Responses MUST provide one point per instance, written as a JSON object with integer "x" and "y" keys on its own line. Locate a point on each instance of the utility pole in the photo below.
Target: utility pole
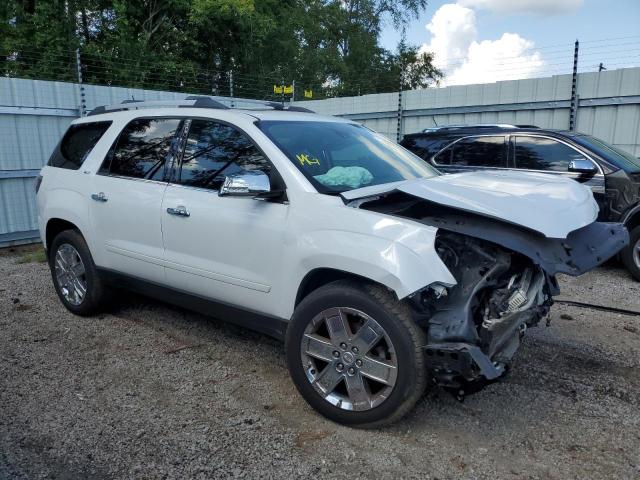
{"x": 601, "y": 67}
{"x": 293, "y": 92}
{"x": 574, "y": 90}
{"x": 83, "y": 101}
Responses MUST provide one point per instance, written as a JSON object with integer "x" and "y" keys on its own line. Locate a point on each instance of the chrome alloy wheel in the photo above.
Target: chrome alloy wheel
{"x": 636, "y": 253}
{"x": 349, "y": 359}
{"x": 70, "y": 274}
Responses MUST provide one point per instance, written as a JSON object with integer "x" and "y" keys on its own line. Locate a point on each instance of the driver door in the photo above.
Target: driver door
{"x": 222, "y": 248}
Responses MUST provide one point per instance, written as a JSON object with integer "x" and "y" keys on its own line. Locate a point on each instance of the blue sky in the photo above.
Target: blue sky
{"x": 468, "y": 36}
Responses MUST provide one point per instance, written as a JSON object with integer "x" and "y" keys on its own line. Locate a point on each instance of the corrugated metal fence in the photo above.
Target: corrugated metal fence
{"x": 34, "y": 115}
{"x": 608, "y": 106}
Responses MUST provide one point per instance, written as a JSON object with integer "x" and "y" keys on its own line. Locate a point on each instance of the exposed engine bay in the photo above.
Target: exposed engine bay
{"x": 505, "y": 277}
{"x": 474, "y": 329}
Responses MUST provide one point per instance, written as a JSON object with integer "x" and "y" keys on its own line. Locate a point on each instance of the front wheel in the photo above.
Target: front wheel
{"x": 631, "y": 253}
{"x": 356, "y": 355}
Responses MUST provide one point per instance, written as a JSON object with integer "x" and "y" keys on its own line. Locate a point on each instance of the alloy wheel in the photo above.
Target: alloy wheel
{"x": 70, "y": 274}
{"x": 349, "y": 359}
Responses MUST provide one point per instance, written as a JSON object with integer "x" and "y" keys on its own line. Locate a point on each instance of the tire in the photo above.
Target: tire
{"x": 96, "y": 293}
{"x": 631, "y": 254}
{"x": 401, "y": 343}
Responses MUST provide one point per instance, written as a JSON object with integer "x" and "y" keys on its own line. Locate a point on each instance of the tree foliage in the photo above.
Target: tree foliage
{"x": 328, "y": 46}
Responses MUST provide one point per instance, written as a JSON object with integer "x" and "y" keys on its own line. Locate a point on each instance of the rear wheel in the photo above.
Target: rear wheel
{"x": 356, "y": 355}
{"x": 74, "y": 274}
{"x": 631, "y": 254}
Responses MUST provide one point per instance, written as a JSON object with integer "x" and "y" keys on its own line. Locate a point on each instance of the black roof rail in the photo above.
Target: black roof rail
{"x": 440, "y": 128}
{"x": 193, "y": 101}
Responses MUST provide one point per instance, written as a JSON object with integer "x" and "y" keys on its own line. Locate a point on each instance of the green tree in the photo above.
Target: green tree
{"x": 330, "y": 46}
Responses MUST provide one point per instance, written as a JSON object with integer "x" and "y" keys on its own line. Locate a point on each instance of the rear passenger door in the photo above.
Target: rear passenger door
{"x": 127, "y": 198}
{"x": 549, "y": 155}
{"x": 486, "y": 152}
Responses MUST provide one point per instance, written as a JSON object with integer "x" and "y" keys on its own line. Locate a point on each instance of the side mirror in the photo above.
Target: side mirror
{"x": 248, "y": 183}
{"x": 582, "y": 166}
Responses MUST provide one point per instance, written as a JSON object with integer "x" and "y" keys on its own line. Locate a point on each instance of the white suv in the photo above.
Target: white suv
{"x": 381, "y": 275}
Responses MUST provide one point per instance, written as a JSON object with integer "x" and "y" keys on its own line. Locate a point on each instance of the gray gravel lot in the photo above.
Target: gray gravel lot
{"x": 153, "y": 391}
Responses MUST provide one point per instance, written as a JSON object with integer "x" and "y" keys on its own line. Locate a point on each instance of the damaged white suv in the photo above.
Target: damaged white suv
{"x": 381, "y": 275}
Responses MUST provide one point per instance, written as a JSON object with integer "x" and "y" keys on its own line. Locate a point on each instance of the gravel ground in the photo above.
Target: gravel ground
{"x": 152, "y": 391}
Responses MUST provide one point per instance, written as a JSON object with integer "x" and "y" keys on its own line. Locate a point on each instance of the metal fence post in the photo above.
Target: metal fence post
{"x": 231, "y": 87}
{"x": 83, "y": 101}
{"x": 399, "y": 120}
{"x": 573, "y": 113}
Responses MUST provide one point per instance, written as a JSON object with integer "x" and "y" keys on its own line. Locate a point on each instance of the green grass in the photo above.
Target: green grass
{"x": 38, "y": 256}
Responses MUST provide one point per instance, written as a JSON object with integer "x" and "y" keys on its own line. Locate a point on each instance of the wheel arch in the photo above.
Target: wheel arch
{"x": 55, "y": 226}
{"x": 632, "y": 218}
{"x": 319, "y": 277}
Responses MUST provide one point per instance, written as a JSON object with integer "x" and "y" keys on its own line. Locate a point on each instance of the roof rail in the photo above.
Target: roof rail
{"x": 476, "y": 125}
{"x": 194, "y": 101}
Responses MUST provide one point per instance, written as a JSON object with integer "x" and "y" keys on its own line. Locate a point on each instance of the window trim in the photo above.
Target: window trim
{"x": 450, "y": 165}
{"x": 548, "y": 137}
{"x": 177, "y": 160}
{"x": 117, "y": 139}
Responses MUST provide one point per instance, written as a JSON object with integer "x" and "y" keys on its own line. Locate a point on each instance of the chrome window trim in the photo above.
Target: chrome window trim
{"x": 134, "y": 179}
{"x": 503, "y": 135}
{"x": 515, "y": 167}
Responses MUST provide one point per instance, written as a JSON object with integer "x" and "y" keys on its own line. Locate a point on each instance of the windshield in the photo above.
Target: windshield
{"x": 618, "y": 157}
{"x": 337, "y": 157}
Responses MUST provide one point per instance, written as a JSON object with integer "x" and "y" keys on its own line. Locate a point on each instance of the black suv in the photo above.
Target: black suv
{"x": 612, "y": 174}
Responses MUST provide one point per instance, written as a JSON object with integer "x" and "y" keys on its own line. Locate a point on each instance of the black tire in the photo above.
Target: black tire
{"x": 627, "y": 253}
{"x": 96, "y": 295}
{"x": 395, "y": 318}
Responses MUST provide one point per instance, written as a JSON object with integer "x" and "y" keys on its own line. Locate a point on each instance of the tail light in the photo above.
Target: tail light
{"x": 38, "y": 182}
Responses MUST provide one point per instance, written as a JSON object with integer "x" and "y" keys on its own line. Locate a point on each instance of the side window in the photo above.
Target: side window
{"x": 144, "y": 149}
{"x": 479, "y": 152}
{"x": 213, "y": 151}
{"x": 537, "y": 153}
{"x": 76, "y": 144}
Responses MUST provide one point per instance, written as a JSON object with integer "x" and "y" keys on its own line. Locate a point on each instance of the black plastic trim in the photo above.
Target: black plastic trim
{"x": 273, "y": 326}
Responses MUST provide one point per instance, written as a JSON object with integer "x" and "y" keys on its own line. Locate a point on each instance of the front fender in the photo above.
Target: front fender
{"x": 404, "y": 265}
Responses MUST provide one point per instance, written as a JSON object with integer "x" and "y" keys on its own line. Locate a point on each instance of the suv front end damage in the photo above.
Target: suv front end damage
{"x": 474, "y": 328}
{"x": 505, "y": 276}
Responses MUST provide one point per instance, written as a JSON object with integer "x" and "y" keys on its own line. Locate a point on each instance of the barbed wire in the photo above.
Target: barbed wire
{"x": 160, "y": 73}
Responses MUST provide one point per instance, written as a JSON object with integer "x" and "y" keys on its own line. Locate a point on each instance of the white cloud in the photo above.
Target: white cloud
{"x": 541, "y": 7}
{"x": 466, "y": 60}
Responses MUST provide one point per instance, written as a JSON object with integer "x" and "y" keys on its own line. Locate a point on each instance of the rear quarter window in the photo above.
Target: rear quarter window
{"x": 76, "y": 144}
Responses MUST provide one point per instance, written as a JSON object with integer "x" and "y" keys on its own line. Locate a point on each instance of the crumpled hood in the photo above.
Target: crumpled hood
{"x": 549, "y": 204}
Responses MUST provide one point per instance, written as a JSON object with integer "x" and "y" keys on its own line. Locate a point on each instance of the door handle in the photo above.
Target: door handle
{"x": 179, "y": 211}
{"x": 99, "y": 197}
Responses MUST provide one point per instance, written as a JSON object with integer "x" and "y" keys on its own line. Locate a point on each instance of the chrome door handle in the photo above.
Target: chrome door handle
{"x": 99, "y": 197}
{"x": 180, "y": 211}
